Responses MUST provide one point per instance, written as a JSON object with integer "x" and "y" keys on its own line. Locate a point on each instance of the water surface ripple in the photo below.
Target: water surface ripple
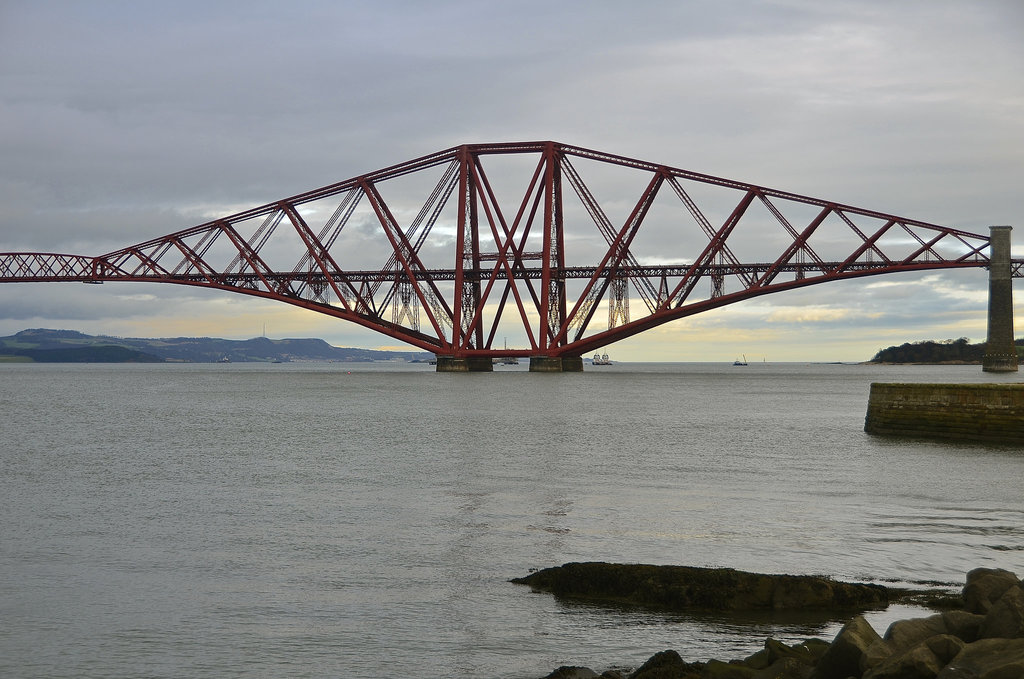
{"x": 363, "y": 520}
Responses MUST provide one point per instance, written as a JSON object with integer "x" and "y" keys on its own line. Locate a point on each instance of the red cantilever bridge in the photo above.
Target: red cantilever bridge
{"x": 456, "y": 251}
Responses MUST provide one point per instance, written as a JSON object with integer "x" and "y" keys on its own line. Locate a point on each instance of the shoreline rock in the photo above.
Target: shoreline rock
{"x": 982, "y": 640}
{"x": 689, "y": 587}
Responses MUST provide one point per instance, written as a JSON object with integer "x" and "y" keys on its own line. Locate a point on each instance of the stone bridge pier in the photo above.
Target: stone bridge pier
{"x": 1000, "y": 351}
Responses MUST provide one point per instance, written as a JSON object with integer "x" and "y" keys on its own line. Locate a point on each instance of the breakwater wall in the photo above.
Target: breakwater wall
{"x": 977, "y": 412}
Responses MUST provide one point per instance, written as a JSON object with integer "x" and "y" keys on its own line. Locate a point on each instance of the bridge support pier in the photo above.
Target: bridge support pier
{"x": 556, "y": 364}
{"x": 1000, "y": 351}
{"x": 471, "y": 364}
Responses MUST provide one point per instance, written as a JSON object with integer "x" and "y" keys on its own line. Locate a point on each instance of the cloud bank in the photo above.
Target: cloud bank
{"x": 122, "y": 121}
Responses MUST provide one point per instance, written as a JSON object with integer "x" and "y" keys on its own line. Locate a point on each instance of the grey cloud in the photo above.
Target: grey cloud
{"x": 122, "y": 121}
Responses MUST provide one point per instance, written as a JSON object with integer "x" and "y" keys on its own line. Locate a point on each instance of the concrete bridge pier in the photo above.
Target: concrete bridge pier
{"x": 471, "y": 364}
{"x": 1000, "y": 351}
{"x": 556, "y": 364}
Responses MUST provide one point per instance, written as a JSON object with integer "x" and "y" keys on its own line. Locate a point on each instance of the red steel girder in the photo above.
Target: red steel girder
{"x": 519, "y": 250}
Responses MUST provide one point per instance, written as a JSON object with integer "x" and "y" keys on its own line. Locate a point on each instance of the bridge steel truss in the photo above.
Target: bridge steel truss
{"x": 457, "y": 269}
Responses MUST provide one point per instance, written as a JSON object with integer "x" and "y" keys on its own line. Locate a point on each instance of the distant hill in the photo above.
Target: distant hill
{"x": 930, "y": 351}
{"x": 71, "y": 346}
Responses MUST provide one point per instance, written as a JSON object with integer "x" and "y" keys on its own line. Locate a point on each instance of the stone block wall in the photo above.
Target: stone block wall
{"x": 978, "y": 412}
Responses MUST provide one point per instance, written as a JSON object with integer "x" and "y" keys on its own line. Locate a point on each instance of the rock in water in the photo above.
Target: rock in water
{"x": 688, "y": 587}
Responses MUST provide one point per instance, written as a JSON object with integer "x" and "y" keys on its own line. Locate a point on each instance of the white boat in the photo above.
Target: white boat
{"x": 601, "y": 359}
{"x": 507, "y": 360}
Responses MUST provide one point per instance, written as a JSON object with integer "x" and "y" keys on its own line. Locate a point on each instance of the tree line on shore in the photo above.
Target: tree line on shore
{"x": 930, "y": 351}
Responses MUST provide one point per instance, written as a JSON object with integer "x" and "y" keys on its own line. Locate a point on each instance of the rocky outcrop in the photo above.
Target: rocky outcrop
{"x": 848, "y": 654}
{"x": 985, "y": 586}
{"x": 987, "y": 659}
{"x": 686, "y": 587}
{"x": 984, "y": 640}
{"x": 667, "y": 665}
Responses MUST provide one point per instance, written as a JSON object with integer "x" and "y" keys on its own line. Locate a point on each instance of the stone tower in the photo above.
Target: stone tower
{"x": 1000, "y": 352}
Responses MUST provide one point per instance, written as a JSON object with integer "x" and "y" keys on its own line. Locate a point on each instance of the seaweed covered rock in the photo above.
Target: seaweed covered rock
{"x": 921, "y": 661}
{"x": 572, "y": 672}
{"x": 963, "y": 625}
{"x": 685, "y": 587}
{"x": 668, "y": 665}
{"x": 985, "y": 586}
{"x": 1005, "y": 619}
{"x": 848, "y": 654}
{"x": 903, "y": 634}
{"x": 995, "y": 658}
{"x": 779, "y": 661}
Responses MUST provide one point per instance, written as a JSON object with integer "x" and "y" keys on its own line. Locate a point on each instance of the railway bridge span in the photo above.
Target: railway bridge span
{"x": 562, "y": 248}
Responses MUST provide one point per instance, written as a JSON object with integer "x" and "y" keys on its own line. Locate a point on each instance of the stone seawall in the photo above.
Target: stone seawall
{"x": 978, "y": 412}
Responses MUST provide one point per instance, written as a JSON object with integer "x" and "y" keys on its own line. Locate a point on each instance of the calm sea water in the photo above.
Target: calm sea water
{"x": 318, "y": 520}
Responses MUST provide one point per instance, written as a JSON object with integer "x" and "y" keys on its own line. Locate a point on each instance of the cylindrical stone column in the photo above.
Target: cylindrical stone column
{"x": 1000, "y": 352}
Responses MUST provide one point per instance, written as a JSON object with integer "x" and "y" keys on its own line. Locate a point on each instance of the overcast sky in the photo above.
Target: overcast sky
{"x": 125, "y": 121}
